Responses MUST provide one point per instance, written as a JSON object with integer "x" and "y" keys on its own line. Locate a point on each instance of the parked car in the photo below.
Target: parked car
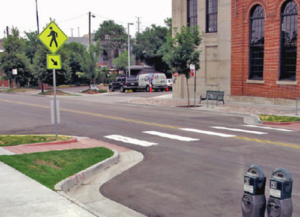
{"x": 124, "y": 83}
{"x": 169, "y": 83}
{"x": 157, "y": 80}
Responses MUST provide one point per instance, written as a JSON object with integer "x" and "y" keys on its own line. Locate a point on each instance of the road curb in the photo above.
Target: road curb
{"x": 279, "y": 123}
{"x": 252, "y": 119}
{"x": 78, "y": 178}
{"x": 73, "y": 140}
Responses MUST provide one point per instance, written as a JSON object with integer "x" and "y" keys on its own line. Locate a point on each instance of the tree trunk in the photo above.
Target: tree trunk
{"x": 188, "y": 91}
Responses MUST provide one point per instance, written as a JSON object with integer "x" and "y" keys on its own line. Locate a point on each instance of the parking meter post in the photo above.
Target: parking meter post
{"x": 280, "y": 201}
{"x": 254, "y": 200}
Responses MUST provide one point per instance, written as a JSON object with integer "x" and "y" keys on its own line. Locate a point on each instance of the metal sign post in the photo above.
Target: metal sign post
{"x": 193, "y": 73}
{"x": 54, "y": 94}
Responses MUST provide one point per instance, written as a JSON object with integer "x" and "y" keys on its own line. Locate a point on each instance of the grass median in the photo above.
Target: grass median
{"x": 274, "y": 118}
{"x": 11, "y": 140}
{"x": 49, "y": 168}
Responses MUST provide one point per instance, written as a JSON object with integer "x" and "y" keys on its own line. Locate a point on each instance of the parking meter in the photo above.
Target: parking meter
{"x": 254, "y": 200}
{"x": 280, "y": 201}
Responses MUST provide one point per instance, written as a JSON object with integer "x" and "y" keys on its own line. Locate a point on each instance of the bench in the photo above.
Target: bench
{"x": 213, "y": 95}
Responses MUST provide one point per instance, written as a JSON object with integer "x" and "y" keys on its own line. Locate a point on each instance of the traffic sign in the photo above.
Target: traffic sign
{"x": 53, "y": 37}
{"x": 53, "y": 61}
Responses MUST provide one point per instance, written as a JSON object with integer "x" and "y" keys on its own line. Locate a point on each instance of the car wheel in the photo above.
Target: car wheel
{"x": 133, "y": 90}
{"x": 122, "y": 89}
{"x": 147, "y": 89}
{"x": 111, "y": 89}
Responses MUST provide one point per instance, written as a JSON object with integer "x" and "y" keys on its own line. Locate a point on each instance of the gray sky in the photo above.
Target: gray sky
{"x": 73, "y": 14}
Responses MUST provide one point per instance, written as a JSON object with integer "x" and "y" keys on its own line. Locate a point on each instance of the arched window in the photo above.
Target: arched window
{"x": 257, "y": 41}
{"x": 289, "y": 35}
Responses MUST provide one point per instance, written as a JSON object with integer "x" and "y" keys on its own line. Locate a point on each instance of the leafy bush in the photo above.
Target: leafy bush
{"x": 102, "y": 91}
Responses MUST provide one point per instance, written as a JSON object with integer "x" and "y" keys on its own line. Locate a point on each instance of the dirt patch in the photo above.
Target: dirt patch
{"x": 58, "y": 93}
{"x": 90, "y": 92}
{"x": 49, "y": 164}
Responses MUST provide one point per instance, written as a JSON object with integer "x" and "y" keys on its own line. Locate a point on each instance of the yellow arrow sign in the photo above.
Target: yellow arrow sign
{"x": 53, "y": 61}
{"x": 53, "y": 37}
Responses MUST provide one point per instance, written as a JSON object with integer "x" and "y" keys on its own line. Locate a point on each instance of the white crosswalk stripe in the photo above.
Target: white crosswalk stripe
{"x": 130, "y": 140}
{"x": 269, "y": 128}
{"x": 207, "y": 132}
{"x": 171, "y": 136}
{"x": 239, "y": 130}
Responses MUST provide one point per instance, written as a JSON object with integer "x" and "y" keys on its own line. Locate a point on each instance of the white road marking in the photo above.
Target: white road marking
{"x": 207, "y": 132}
{"x": 170, "y": 136}
{"x": 239, "y": 130}
{"x": 130, "y": 140}
{"x": 269, "y": 128}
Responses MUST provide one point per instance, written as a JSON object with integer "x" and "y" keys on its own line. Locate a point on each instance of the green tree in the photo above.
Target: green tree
{"x": 181, "y": 51}
{"x": 117, "y": 39}
{"x": 14, "y": 58}
{"x": 121, "y": 62}
{"x": 40, "y": 71}
{"x": 31, "y": 44}
{"x": 90, "y": 59}
{"x": 76, "y": 51}
{"x": 149, "y": 43}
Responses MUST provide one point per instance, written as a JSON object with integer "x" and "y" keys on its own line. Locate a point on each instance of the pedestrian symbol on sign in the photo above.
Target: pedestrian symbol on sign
{"x": 54, "y": 35}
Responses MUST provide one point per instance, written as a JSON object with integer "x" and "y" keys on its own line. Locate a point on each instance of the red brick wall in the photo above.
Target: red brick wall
{"x": 6, "y": 84}
{"x": 240, "y": 51}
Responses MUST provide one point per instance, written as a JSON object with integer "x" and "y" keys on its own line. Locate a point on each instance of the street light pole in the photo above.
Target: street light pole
{"x": 129, "y": 49}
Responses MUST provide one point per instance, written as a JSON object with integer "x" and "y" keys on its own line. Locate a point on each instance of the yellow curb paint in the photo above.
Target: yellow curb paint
{"x": 153, "y": 124}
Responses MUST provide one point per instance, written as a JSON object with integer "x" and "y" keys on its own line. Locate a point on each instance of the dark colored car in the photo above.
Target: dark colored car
{"x": 124, "y": 83}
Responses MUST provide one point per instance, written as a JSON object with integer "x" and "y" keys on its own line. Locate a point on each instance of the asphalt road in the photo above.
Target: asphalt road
{"x": 176, "y": 178}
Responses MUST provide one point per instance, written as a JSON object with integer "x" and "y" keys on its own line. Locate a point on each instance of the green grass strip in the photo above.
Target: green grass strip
{"x": 274, "y": 118}
{"x": 49, "y": 168}
{"x": 8, "y": 140}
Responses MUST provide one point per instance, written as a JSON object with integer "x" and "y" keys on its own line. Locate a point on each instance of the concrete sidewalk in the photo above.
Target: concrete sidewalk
{"x": 23, "y": 196}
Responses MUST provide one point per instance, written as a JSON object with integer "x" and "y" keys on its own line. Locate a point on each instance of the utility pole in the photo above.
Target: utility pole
{"x": 38, "y": 31}
{"x": 7, "y": 31}
{"x": 37, "y": 18}
{"x": 90, "y": 37}
{"x": 78, "y": 32}
{"x": 138, "y": 22}
{"x": 71, "y": 32}
{"x": 129, "y": 49}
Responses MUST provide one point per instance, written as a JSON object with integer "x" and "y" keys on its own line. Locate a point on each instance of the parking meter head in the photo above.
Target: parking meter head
{"x": 281, "y": 184}
{"x": 254, "y": 181}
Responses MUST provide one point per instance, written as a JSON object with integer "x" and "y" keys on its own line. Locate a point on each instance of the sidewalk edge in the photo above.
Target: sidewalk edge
{"x": 78, "y": 178}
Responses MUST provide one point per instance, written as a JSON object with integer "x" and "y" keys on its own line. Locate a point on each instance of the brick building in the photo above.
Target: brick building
{"x": 265, "y": 64}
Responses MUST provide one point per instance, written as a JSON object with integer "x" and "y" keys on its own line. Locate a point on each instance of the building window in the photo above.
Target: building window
{"x": 289, "y": 32}
{"x": 211, "y": 16}
{"x": 192, "y": 13}
{"x": 257, "y": 41}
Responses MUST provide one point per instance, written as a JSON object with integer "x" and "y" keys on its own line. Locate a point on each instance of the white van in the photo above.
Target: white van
{"x": 157, "y": 80}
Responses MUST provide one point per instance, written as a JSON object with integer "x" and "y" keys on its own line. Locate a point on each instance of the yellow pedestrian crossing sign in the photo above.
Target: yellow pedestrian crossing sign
{"x": 52, "y": 37}
{"x": 53, "y": 61}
